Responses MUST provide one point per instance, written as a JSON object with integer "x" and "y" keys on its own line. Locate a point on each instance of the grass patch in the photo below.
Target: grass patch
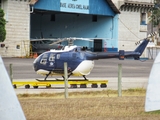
{"x": 141, "y": 90}
{"x": 97, "y": 105}
{"x": 26, "y": 95}
{"x": 104, "y": 93}
{"x": 154, "y": 112}
{"x": 97, "y": 108}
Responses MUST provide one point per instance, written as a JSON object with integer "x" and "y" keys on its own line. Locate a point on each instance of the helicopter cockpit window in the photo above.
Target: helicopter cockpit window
{"x": 44, "y": 59}
{"x": 52, "y": 57}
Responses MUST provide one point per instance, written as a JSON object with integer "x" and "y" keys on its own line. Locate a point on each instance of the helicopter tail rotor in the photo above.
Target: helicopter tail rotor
{"x": 149, "y": 37}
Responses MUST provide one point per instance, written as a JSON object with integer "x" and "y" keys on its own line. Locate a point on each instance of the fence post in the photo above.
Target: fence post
{"x": 66, "y": 79}
{"x": 11, "y": 72}
{"x": 119, "y": 80}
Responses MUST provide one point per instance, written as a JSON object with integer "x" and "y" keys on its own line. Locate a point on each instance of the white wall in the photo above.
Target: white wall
{"x": 130, "y": 30}
{"x": 17, "y": 15}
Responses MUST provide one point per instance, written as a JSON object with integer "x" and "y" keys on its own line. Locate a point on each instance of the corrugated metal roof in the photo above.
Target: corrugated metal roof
{"x": 112, "y": 5}
{"x": 139, "y": 3}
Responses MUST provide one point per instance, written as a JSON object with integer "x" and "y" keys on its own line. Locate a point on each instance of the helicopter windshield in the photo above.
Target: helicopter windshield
{"x": 42, "y": 59}
{"x": 52, "y": 57}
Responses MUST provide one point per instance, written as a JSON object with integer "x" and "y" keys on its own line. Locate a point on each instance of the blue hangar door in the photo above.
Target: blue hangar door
{"x": 80, "y": 18}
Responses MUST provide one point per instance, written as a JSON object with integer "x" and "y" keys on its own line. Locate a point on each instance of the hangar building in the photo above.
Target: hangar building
{"x": 96, "y": 19}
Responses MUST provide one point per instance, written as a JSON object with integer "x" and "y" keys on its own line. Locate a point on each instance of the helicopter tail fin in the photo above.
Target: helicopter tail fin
{"x": 139, "y": 50}
{"x": 142, "y": 46}
{"x": 136, "y": 53}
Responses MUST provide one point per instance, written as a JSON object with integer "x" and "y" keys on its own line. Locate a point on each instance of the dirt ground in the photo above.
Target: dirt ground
{"x": 87, "y": 108}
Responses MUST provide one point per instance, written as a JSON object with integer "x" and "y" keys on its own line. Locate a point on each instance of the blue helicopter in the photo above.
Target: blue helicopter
{"x": 80, "y": 62}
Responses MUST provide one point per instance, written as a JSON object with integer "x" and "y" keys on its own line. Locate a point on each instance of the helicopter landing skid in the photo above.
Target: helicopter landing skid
{"x": 42, "y": 80}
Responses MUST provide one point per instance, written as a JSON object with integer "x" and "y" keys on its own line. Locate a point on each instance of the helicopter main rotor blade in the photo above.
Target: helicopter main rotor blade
{"x": 71, "y": 39}
{"x": 44, "y": 39}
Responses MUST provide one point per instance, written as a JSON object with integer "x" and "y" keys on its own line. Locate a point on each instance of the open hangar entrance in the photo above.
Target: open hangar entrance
{"x": 64, "y": 25}
{"x": 103, "y": 29}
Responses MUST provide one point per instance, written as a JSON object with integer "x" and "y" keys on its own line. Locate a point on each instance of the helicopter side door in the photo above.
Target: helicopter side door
{"x": 60, "y": 59}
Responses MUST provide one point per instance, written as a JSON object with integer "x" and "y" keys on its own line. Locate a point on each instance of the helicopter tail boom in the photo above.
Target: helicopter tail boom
{"x": 121, "y": 54}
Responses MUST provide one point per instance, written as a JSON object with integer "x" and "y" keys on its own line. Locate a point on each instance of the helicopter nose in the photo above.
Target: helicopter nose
{"x": 35, "y": 64}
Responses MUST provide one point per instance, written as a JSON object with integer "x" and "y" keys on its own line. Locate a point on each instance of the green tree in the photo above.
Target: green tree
{"x": 2, "y": 26}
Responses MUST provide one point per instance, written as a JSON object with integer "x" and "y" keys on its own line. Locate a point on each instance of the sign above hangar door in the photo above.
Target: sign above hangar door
{"x": 76, "y": 6}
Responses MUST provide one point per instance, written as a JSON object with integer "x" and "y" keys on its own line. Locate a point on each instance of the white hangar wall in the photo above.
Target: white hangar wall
{"x": 130, "y": 30}
{"x": 133, "y": 21}
{"x": 17, "y": 15}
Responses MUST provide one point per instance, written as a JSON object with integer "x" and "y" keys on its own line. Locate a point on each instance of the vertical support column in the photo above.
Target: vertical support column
{"x": 119, "y": 80}
{"x": 66, "y": 79}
